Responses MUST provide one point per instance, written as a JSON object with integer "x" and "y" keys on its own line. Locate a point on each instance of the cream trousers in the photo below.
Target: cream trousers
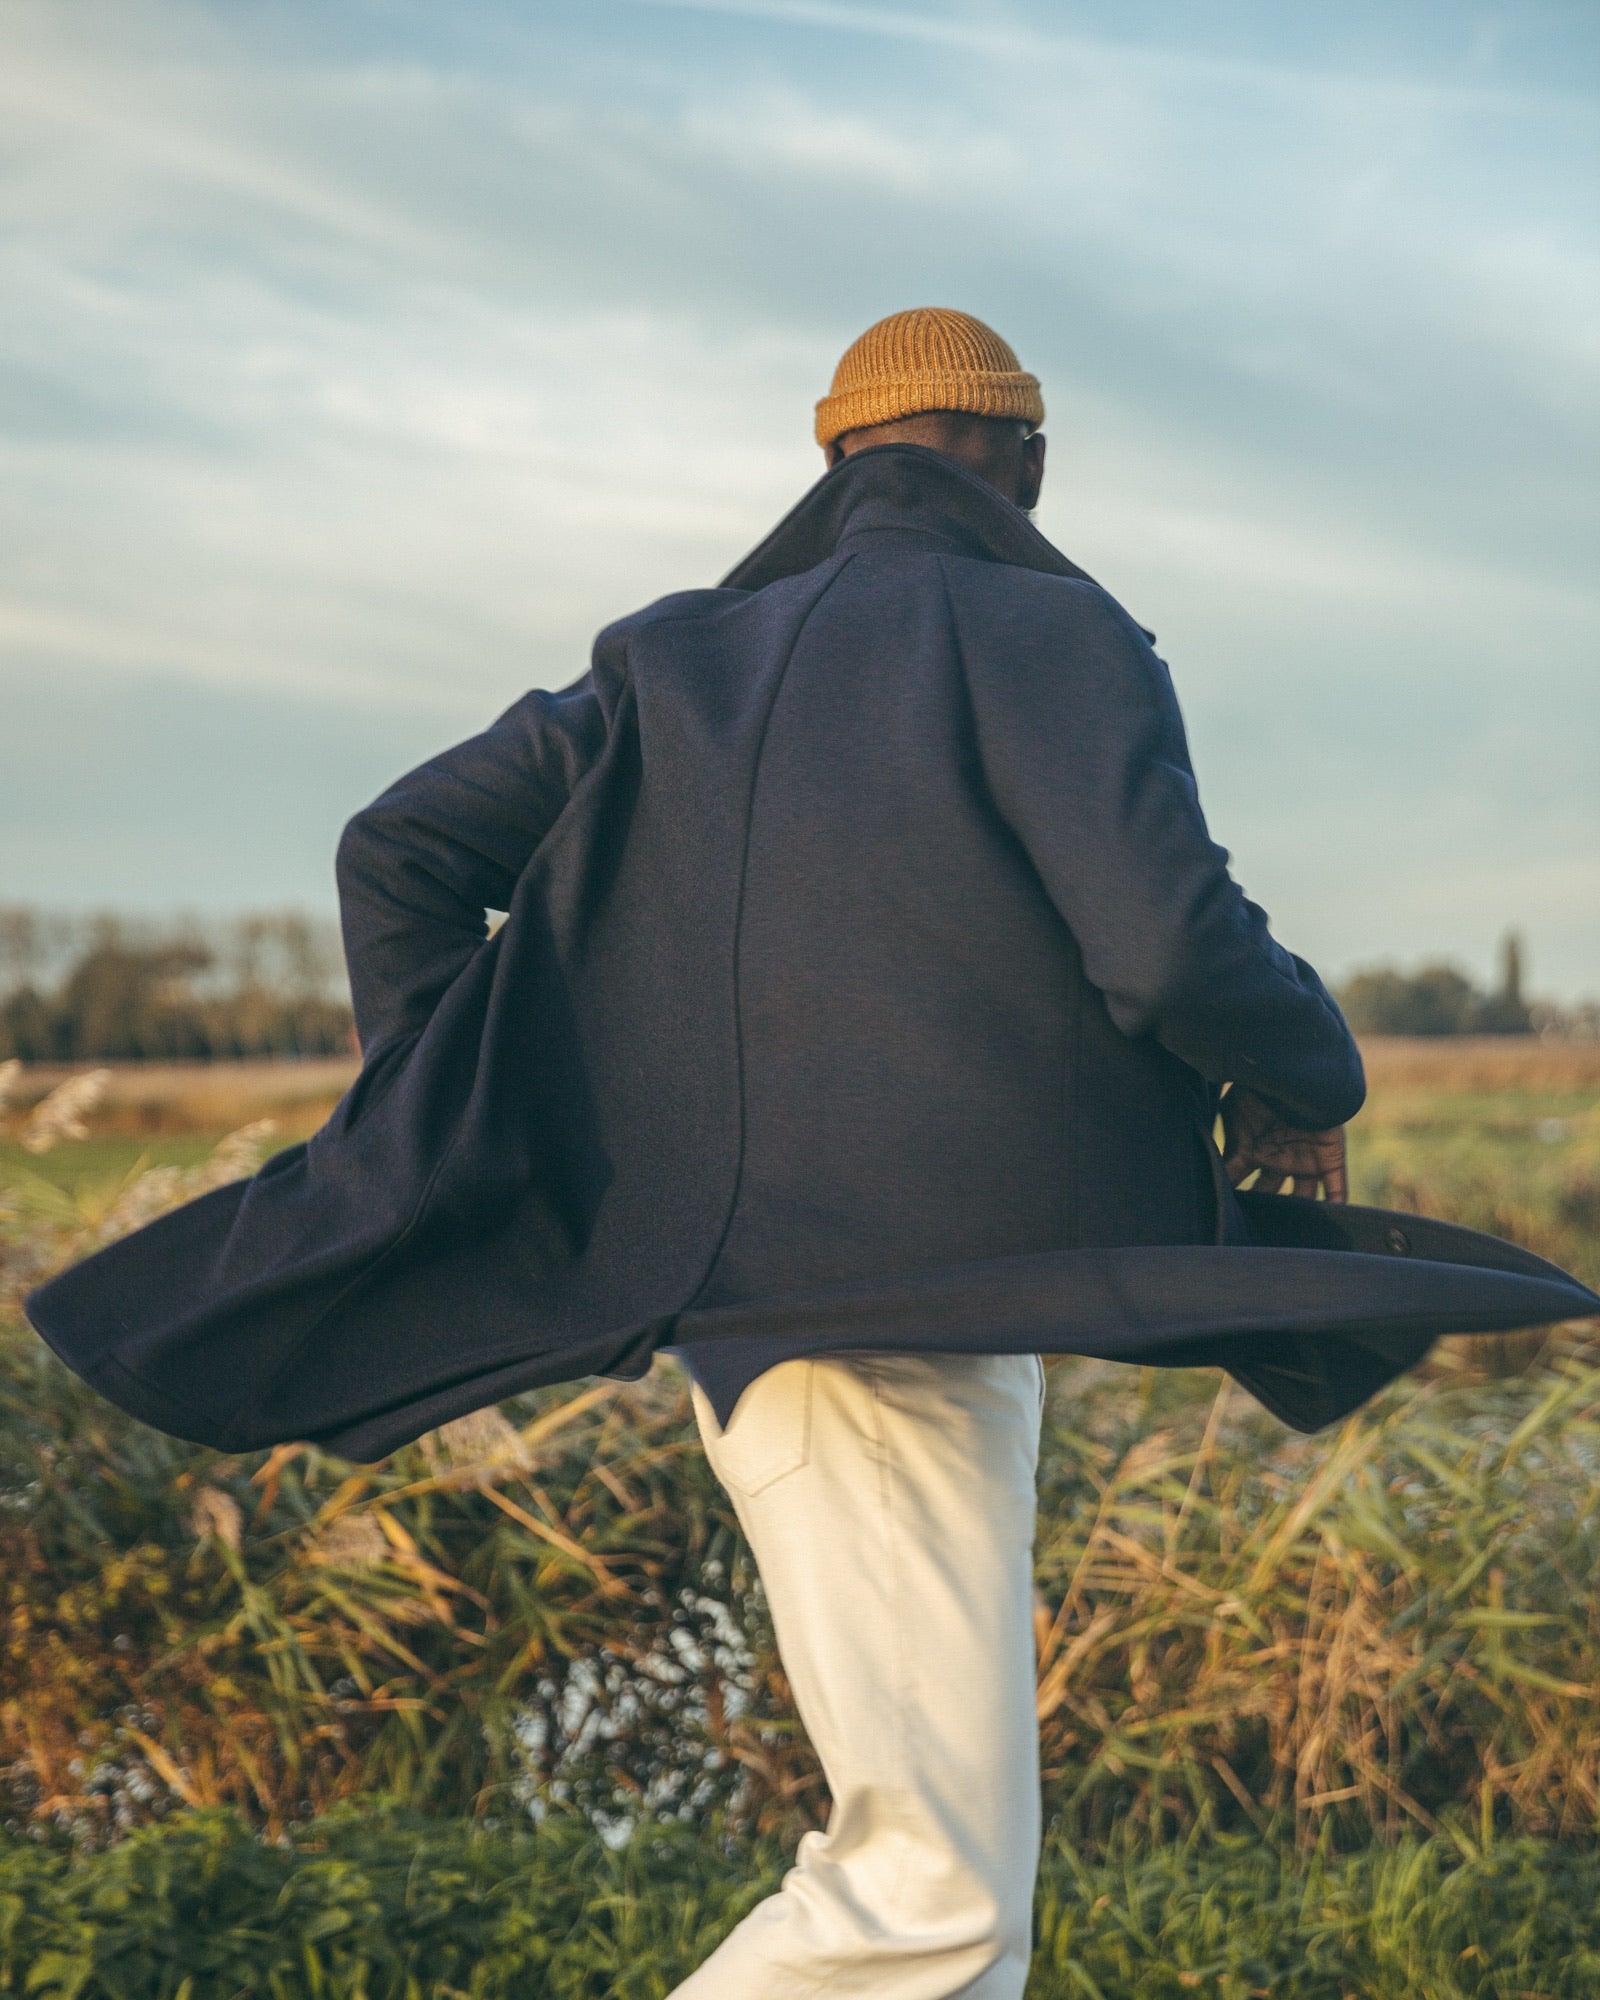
{"x": 889, "y": 1501}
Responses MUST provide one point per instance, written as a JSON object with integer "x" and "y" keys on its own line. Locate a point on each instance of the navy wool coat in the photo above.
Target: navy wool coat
{"x": 868, "y": 981}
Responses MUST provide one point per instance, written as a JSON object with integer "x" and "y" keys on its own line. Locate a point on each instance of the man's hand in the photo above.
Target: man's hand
{"x": 1255, "y": 1136}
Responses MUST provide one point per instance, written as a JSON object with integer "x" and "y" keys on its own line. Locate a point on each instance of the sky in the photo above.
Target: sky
{"x": 358, "y": 362}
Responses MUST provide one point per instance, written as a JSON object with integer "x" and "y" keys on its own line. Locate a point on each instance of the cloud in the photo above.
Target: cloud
{"x": 1176, "y": 45}
{"x": 369, "y": 364}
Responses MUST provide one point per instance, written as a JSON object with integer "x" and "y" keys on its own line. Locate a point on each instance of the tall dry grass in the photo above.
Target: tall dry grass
{"x": 550, "y": 1607}
{"x": 1394, "y": 1627}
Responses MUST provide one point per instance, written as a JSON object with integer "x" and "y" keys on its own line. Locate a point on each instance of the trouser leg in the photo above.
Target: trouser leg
{"x": 889, "y": 1502}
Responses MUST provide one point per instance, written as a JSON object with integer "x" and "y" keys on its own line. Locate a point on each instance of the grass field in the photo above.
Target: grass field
{"x": 1320, "y": 1717}
{"x": 1497, "y": 1133}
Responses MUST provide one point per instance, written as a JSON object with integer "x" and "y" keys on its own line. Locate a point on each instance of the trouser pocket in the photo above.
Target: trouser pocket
{"x": 769, "y": 1435}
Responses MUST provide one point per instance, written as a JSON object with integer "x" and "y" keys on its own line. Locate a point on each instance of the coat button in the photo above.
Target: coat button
{"x": 1398, "y": 1241}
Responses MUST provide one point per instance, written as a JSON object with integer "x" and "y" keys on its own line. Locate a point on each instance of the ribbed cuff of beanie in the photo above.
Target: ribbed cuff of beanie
{"x": 1013, "y": 393}
{"x": 996, "y": 393}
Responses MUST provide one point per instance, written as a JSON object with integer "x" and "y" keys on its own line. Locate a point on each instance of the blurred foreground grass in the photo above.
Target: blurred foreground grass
{"x": 372, "y": 1906}
{"x": 1319, "y": 1716}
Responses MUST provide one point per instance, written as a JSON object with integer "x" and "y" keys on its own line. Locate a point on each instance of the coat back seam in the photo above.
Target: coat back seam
{"x": 779, "y": 681}
{"x": 1069, "y": 1203}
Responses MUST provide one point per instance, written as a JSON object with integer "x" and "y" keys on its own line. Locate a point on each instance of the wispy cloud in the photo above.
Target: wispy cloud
{"x": 374, "y": 361}
{"x": 1178, "y": 53}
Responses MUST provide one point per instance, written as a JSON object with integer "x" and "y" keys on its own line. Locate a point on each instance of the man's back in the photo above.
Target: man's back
{"x": 923, "y": 786}
{"x": 926, "y": 1076}
{"x": 959, "y": 777}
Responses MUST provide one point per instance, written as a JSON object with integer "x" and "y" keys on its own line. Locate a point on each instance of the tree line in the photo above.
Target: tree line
{"x": 104, "y": 988}
{"x": 1439, "y": 999}
{"x": 76, "y": 989}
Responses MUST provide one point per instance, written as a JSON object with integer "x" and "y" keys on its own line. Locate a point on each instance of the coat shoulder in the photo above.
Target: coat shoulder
{"x": 618, "y": 646}
{"x": 689, "y": 627}
{"x": 678, "y": 607}
{"x": 1066, "y": 603}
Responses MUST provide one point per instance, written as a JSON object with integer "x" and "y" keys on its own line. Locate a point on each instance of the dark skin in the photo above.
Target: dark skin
{"x": 1009, "y": 456}
{"x": 1006, "y": 453}
{"x": 1288, "y": 1158}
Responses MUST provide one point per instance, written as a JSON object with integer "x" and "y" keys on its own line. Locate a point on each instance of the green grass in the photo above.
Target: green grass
{"x": 367, "y": 1906}
{"x": 1523, "y": 1164}
{"x": 95, "y": 1167}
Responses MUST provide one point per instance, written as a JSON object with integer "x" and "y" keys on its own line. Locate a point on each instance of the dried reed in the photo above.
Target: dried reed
{"x": 549, "y": 1605}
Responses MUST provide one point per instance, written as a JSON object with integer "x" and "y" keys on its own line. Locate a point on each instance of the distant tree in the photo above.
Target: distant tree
{"x": 19, "y": 944}
{"x": 27, "y": 1025}
{"x": 33, "y": 944}
{"x": 1506, "y": 1012}
{"x": 1511, "y": 968}
{"x": 1438, "y": 1000}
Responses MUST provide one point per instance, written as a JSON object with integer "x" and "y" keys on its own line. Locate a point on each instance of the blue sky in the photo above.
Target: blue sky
{"x": 358, "y": 361}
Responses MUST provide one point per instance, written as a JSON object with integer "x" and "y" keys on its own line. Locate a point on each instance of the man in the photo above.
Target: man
{"x": 889, "y": 1498}
{"x": 856, "y": 1029}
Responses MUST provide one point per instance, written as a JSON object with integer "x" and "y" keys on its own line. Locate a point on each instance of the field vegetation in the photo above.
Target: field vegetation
{"x": 102, "y": 988}
{"x": 1320, "y": 1717}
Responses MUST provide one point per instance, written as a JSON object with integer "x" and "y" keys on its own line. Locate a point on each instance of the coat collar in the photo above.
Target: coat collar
{"x": 907, "y": 491}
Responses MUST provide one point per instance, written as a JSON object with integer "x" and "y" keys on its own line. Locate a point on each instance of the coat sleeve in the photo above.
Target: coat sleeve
{"x": 420, "y": 867}
{"x": 1084, "y": 753}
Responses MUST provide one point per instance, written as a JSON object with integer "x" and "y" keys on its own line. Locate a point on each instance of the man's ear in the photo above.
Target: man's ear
{"x": 1031, "y": 476}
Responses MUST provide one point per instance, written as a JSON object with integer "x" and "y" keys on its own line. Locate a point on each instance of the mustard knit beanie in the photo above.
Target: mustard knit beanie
{"x": 929, "y": 358}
